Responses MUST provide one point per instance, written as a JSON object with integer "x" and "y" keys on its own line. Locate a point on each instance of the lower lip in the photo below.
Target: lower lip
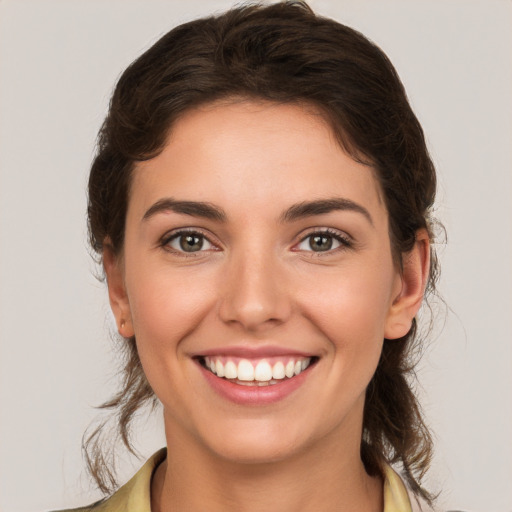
{"x": 254, "y": 395}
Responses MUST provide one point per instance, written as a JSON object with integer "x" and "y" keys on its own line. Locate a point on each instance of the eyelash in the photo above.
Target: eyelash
{"x": 176, "y": 235}
{"x": 344, "y": 241}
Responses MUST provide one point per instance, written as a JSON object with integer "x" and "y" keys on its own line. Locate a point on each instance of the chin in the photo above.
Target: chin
{"x": 257, "y": 444}
{"x": 253, "y": 453}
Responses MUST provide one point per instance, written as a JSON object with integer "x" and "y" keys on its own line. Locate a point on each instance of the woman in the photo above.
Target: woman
{"x": 260, "y": 202}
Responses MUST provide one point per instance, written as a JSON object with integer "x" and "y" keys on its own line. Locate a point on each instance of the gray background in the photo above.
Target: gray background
{"x": 58, "y": 63}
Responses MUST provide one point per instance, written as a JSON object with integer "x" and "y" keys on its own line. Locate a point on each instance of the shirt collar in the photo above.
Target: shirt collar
{"x": 135, "y": 495}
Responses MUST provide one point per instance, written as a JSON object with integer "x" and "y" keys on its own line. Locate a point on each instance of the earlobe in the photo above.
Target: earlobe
{"x": 117, "y": 291}
{"x": 415, "y": 271}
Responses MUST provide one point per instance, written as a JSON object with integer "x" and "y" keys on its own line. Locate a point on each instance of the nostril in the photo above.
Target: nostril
{"x": 255, "y": 314}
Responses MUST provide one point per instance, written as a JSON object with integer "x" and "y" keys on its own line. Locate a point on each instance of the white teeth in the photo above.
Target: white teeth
{"x": 278, "y": 371}
{"x": 263, "y": 371}
{"x": 230, "y": 370}
{"x": 219, "y": 367}
{"x": 245, "y": 370}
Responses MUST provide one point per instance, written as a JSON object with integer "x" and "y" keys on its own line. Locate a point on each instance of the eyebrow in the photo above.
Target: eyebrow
{"x": 323, "y": 206}
{"x": 295, "y": 212}
{"x": 193, "y": 208}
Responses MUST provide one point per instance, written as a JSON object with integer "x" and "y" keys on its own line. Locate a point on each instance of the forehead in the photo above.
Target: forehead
{"x": 253, "y": 153}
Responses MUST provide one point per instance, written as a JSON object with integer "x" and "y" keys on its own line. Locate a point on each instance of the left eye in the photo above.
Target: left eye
{"x": 189, "y": 242}
{"x": 321, "y": 242}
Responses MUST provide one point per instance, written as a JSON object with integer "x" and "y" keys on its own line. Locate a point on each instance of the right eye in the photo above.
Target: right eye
{"x": 188, "y": 242}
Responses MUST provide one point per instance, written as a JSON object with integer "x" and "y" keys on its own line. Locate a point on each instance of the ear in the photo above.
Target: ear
{"x": 118, "y": 297}
{"x": 413, "y": 280}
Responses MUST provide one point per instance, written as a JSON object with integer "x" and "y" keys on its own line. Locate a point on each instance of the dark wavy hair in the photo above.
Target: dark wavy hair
{"x": 282, "y": 53}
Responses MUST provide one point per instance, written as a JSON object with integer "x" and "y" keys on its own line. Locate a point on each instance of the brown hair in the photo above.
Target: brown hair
{"x": 280, "y": 53}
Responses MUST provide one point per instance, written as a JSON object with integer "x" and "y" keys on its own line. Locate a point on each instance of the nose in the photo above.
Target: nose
{"x": 254, "y": 294}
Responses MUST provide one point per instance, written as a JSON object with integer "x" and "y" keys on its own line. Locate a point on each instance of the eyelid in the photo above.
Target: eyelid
{"x": 176, "y": 233}
{"x": 345, "y": 240}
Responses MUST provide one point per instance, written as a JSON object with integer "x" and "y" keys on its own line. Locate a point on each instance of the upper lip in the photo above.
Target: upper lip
{"x": 256, "y": 352}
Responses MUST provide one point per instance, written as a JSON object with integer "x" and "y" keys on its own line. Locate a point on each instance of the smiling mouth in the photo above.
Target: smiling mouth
{"x": 261, "y": 372}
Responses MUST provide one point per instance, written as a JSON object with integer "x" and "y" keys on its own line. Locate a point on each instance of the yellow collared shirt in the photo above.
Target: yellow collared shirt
{"x": 135, "y": 496}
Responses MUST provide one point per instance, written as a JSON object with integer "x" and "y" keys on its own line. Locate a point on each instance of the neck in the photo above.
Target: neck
{"x": 329, "y": 477}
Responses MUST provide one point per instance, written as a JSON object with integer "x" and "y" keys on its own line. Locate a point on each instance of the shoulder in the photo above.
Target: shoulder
{"x": 134, "y": 495}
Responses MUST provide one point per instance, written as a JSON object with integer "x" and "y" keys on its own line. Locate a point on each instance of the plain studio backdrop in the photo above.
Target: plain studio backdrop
{"x": 58, "y": 63}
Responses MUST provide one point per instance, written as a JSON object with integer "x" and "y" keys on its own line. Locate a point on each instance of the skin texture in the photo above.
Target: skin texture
{"x": 256, "y": 282}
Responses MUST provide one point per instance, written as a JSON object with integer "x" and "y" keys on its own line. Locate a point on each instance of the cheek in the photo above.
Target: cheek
{"x": 350, "y": 311}
{"x": 166, "y": 308}
{"x": 350, "y": 305}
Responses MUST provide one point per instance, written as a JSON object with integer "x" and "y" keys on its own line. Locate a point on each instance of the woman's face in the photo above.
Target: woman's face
{"x": 255, "y": 247}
